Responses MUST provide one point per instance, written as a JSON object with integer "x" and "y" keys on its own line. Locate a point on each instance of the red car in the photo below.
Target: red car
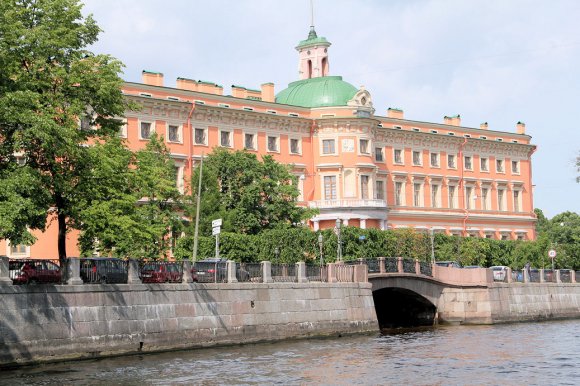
{"x": 161, "y": 272}
{"x": 34, "y": 271}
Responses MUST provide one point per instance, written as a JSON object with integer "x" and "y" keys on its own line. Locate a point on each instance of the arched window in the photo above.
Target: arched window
{"x": 309, "y": 69}
{"x": 324, "y": 66}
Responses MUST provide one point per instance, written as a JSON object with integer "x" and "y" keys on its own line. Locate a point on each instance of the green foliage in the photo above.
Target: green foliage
{"x": 48, "y": 81}
{"x": 250, "y": 196}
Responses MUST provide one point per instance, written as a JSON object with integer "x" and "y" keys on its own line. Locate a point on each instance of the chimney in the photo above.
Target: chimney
{"x": 454, "y": 120}
{"x": 521, "y": 128}
{"x": 209, "y": 87}
{"x": 186, "y": 84}
{"x": 268, "y": 92}
{"x": 152, "y": 78}
{"x": 483, "y": 126}
{"x": 393, "y": 112}
{"x": 239, "y": 92}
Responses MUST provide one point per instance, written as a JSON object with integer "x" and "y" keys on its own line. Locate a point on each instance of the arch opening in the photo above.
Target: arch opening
{"x": 309, "y": 69}
{"x": 399, "y": 307}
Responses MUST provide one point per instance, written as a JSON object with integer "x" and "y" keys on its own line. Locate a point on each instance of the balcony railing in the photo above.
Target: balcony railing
{"x": 348, "y": 203}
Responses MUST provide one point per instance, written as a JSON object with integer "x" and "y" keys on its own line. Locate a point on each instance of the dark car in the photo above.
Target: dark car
{"x": 215, "y": 270}
{"x": 452, "y": 264}
{"x": 161, "y": 272}
{"x": 32, "y": 271}
{"x": 103, "y": 270}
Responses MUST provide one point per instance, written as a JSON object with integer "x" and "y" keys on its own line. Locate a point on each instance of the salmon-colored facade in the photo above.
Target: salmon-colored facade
{"x": 353, "y": 164}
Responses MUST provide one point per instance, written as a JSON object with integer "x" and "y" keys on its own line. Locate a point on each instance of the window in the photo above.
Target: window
{"x": 451, "y": 161}
{"x": 380, "y": 190}
{"x": 364, "y": 187}
{"x": 398, "y": 156}
{"x": 250, "y": 141}
{"x": 485, "y": 198}
{"x": 452, "y": 190}
{"x": 330, "y": 187}
{"x": 379, "y": 154}
{"x": 417, "y": 199}
{"x": 123, "y": 129}
{"x": 200, "y": 136}
{"x": 515, "y": 167}
{"x": 294, "y": 146}
{"x": 499, "y": 166}
{"x": 516, "y": 200}
{"x": 86, "y": 123}
{"x": 435, "y": 196}
{"x": 224, "y": 105}
{"x": 468, "y": 197}
{"x": 271, "y": 111}
{"x": 399, "y": 194}
{"x": 434, "y": 160}
{"x": 18, "y": 249}
{"x": 500, "y": 199}
{"x": 145, "y": 130}
{"x": 328, "y": 146}
{"x": 417, "y": 158}
{"x": 248, "y": 108}
{"x": 292, "y": 114}
{"x": 467, "y": 163}
{"x": 364, "y": 146}
{"x": 173, "y": 133}
{"x": 272, "y": 143}
{"x": 179, "y": 178}
{"x": 483, "y": 164}
{"x": 225, "y": 139}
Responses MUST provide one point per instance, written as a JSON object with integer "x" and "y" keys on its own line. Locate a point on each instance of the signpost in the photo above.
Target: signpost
{"x": 552, "y": 254}
{"x": 216, "y": 227}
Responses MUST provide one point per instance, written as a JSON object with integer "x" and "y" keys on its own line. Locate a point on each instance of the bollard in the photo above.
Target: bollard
{"x": 558, "y": 279}
{"x": 400, "y": 268}
{"x": 133, "y": 273}
{"x": 572, "y": 276}
{"x": 231, "y": 267}
{"x": 382, "y": 268}
{"x": 417, "y": 267}
{"x": 301, "y": 272}
{"x": 267, "y": 272}
{"x": 187, "y": 277}
{"x": 541, "y": 271}
{"x": 74, "y": 271}
{"x": 5, "y": 271}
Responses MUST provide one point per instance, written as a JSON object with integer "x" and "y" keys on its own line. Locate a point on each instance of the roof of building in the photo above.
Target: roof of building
{"x": 317, "y": 92}
{"x": 313, "y": 39}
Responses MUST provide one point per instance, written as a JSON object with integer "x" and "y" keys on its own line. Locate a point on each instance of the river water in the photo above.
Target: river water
{"x": 545, "y": 353}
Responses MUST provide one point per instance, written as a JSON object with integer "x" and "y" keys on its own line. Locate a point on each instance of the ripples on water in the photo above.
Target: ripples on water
{"x": 514, "y": 354}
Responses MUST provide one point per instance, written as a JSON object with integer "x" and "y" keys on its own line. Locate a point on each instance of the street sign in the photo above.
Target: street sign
{"x": 216, "y": 230}
{"x": 216, "y": 223}
{"x": 552, "y": 253}
{"x": 362, "y": 237}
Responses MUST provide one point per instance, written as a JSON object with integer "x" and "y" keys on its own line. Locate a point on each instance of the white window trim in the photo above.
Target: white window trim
{"x": 447, "y": 161}
{"x": 519, "y": 171}
{"x": 231, "y": 135}
{"x": 454, "y": 197}
{"x": 123, "y": 131}
{"x": 180, "y": 178}
{"x": 519, "y": 200}
{"x": 370, "y": 185}
{"x": 151, "y": 129}
{"x": 438, "y": 166}
{"x": 437, "y": 196}
{"x": 464, "y": 163}
{"x": 322, "y": 153}
{"x": 503, "y": 201}
{"x": 299, "y": 139}
{"x": 206, "y": 134}
{"x": 179, "y": 132}
{"x": 384, "y": 181}
{"x": 403, "y": 195}
{"x": 254, "y": 141}
{"x": 277, "y": 136}
{"x": 421, "y": 184}
{"x": 323, "y": 187}
{"x": 369, "y": 146}
{"x": 402, "y": 156}
{"x": 413, "y": 157}
{"x": 18, "y": 255}
{"x": 481, "y": 166}
{"x": 382, "y": 148}
{"x": 488, "y": 201}
{"x": 503, "y": 163}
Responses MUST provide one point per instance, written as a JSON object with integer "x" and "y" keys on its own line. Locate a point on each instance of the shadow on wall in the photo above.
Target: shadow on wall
{"x": 399, "y": 307}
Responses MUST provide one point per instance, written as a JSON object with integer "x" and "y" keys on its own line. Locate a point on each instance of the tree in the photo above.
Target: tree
{"x": 135, "y": 208}
{"x": 250, "y": 196}
{"x": 49, "y": 83}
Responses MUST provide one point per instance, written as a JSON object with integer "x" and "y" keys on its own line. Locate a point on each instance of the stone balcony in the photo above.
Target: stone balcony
{"x": 348, "y": 203}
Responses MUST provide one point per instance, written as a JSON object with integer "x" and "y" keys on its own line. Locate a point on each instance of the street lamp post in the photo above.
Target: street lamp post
{"x": 320, "y": 241}
{"x": 339, "y": 247}
{"x": 276, "y": 253}
{"x": 432, "y": 246}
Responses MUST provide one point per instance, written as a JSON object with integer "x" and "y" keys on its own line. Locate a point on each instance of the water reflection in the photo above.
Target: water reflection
{"x": 540, "y": 353}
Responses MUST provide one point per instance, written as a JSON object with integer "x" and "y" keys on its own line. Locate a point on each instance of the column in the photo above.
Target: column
{"x": 541, "y": 275}
{"x": 316, "y": 225}
{"x": 187, "y": 277}
{"x": 572, "y": 276}
{"x": 400, "y": 268}
{"x": 558, "y": 279}
{"x": 382, "y": 268}
{"x": 74, "y": 271}
{"x": 508, "y": 272}
{"x": 417, "y": 267}
{"x": 382, "y": 224}
{"x": 332, "y": 273}
{"x": 231, "y": 268}
{"x": 5, "y": 271}
{"x": 301, "y": 272}
{"x": 133, "y": 274}
{"x": 345, "y": 222}
{"x": 363, "y": 223}
{"x": 267, "y": 272}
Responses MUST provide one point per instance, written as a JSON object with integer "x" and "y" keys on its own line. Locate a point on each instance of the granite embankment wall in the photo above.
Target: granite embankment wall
{"x": 509, "y": 302}
{"x": 49, "y": 323}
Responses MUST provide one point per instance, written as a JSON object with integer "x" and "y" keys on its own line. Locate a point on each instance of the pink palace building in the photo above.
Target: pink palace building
{"x": 366, "y": 169}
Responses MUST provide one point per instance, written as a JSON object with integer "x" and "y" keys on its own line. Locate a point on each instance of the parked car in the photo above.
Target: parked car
{"x": 473, "y": 266}
{"x": 215, "y": 270}
{"x": 161, "y": 272}
{"x": 499, "y": 272}
{"x": 452, "y": 264}
{"x": 33, "y": 271}
{"x": 103, "y": 270}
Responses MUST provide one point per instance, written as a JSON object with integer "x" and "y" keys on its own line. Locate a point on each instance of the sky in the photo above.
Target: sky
{"x": 492, "y": 61}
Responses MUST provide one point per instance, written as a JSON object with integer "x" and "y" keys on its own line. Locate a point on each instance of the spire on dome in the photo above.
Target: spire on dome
{"x": 312, "y": 34}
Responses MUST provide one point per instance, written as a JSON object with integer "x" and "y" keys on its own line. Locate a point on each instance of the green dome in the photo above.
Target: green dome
{"x": 317, "y": 92}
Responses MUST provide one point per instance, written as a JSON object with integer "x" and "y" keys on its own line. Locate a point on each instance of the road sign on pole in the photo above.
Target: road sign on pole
{"x": 552, "y": 253}
{"x": 216, "y": 223}
{"x": 216, "y": 231}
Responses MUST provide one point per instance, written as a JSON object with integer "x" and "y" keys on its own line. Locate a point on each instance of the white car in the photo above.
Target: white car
{"x": 499, "y": 272}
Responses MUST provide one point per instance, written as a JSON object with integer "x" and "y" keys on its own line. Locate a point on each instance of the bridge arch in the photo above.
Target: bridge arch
{"x": 405, "y": 300}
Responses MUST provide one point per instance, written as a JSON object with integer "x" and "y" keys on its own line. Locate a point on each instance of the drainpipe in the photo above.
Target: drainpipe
{"x": 531, "y": 186}
{"x": 462, "y": 187}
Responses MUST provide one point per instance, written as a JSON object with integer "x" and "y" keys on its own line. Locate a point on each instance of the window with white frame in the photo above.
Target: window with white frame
{"x": 434, "y": 159}
{"x": 200, "y": 136}
{"x": 398, "y": 156}
{"x": 515, "y": 167}
{"x": 179, "y": 181}
{"x": 145, "y": 130}
{"x": 435, "y": 192}
{"x": 417, "y": 194}
{"x": 399, "y": 193}
{"x": 364, "y": 186}
{"x": 330, "y": 188}
{"x": 501, "y": 199}
{"x": 483, "y": 164}
{"x": 364, "y": 146}
{"x": 468, "y": 197}
{"x": 451, "y": 164}
{"x": 17, "y": 250}
{"x": 250, "y": 141}
{"x": 328, "y": 146}
{"x": 272, "y": 143}
{"x": 467, "y": 163}
{"x": 452, "y": 196}
{"x": 517, "y": 202}
{"x": 417, "y": 161}
{"x": 123, "y": 129}
{"x": 379, "y": 157}
{"x": 499, "y": 166}
{"x": 295, "y": 146}
{"x": 380, "y": 189}
{"x": 174, "y": 133}
{"x": 226, "y": 138}
{"x": 485, "y": 198}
